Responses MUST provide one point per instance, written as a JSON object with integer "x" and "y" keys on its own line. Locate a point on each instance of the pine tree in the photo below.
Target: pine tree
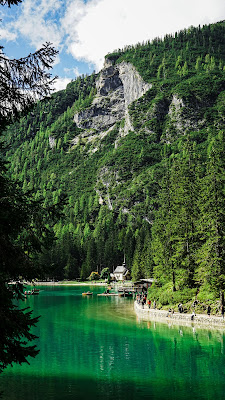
{"x": 162, "y": 231}
{"x": 22, "y": 230}
{"x": 211, "y": 255}
{"x": 185, "y": 194}
{"x": 174, "y": 230}
{"x": 137, "y": 267}
{"x": 147, "y": 256}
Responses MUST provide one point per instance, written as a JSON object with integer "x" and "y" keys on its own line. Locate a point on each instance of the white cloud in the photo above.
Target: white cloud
{"x": 100, "y": 26}
{"x": 72, "y": 71}
{"x": 89, "y": 30}
{"x": 38, "y": 22}
{"x": 60, "y": 84}
{"x": 7, "y": 35}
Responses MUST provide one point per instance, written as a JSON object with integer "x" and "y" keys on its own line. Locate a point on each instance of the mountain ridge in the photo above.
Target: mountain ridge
{"x": 108, "y": 142}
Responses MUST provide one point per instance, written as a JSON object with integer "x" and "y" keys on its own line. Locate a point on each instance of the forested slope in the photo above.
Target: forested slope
{"x": 149, "y": 180}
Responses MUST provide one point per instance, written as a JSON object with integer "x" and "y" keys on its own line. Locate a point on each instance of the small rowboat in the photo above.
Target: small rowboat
{"x": 87, "y": 293}
{"x": 33, "y": 291}
{"x": 125, "y": 294}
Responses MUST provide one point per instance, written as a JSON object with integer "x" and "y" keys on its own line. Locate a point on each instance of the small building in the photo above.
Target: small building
{"x": 147, "y": 283}
{"x": 121, "y": 273}
{"x": 143, "y": 284}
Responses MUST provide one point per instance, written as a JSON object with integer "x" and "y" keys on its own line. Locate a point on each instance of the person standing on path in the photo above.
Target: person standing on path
{"x": 180, "y": 308}
{"x": 208, "y": 310}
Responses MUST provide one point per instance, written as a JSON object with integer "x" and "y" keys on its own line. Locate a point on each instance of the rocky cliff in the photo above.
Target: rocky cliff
{"x": 120, "y": 102}
{"x": 117, "y": 87}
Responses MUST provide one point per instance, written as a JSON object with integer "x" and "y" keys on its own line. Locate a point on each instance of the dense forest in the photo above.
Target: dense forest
{"x": 164, "y": 180}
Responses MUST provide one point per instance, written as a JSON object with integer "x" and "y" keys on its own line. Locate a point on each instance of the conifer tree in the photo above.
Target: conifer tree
{"x": 174, "y": 238}
{"x": 184, "y": 197}
{"x": 147, "y": 256}
{"x": 22, "y": 230}
{"x": 163, "y": 229}
{"x": 137, "y": 267}
{"x": 211, "y": 255}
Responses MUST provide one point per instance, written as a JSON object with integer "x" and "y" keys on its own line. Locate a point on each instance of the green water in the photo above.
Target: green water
{"x": 95, "y": 347}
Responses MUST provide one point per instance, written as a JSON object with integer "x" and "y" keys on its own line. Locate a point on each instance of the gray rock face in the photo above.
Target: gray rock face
{"x": 117, "y": 87}
{"x": 52, "y": 143}
{"x": 133, "y": 84}
{"x": 182, "y": 118}
{"x": 109, "y": 80}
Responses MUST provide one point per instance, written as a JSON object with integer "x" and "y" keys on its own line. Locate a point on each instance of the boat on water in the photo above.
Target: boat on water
{"x": 33, "y": 291}
{"x": 125, "y": 294}
{"x": 87, "y": 293}
{"x": 107, "y": 294}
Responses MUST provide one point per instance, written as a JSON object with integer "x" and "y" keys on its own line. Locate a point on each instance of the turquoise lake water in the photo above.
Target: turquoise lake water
{"x": 95, "y": 347}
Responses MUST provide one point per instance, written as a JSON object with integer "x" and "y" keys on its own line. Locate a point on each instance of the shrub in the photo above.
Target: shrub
{"x": 105, "y": 273}
{"x": 164, "y": 295}
{"x": 94, "y": 276}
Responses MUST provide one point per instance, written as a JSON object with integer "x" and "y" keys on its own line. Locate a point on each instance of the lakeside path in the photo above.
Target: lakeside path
{"x": 200, "y": 320}
{"x": 67, "y": 283}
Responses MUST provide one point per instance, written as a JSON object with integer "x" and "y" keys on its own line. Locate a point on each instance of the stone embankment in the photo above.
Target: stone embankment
{"x": 176, "y": 318}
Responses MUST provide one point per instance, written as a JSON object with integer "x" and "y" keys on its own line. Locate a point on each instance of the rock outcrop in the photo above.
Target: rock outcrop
{"x": 183, "y": 117}
{"x": 52, "y": 143}
{"x": 117, "y": 87}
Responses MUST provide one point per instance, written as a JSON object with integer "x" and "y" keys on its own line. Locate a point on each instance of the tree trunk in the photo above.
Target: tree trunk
{"x": 174, "y": 283}
{"x": 221, "y": 297}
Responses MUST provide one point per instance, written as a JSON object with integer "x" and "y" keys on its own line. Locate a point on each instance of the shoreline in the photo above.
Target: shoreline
{"x": 200, "y": 320}
{"x": 163, "y": 316}
{"x": 66, "y": 283}
{"x": 74, "y": 283}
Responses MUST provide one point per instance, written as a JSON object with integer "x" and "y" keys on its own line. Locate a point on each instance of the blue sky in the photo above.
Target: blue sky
{"x": 84, "y": 31}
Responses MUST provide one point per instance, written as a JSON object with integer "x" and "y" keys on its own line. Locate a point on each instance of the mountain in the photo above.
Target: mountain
{"x": 132, "y": 149}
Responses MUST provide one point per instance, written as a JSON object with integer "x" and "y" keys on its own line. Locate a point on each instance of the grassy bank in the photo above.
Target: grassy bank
{"x": 191, "y": 299}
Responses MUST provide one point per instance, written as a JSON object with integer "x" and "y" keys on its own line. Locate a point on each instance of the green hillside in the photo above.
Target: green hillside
{"x": 154, "y": 192}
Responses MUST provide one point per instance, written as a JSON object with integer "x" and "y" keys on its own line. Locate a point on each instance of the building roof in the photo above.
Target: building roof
{"x": 142, "y": 281}
{"x": 120, "y": 270}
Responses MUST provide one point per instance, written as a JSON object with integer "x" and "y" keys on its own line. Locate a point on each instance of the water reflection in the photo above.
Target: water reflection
{"x": 96, "y": 346}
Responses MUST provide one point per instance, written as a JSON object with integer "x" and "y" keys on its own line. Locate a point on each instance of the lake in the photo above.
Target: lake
{"x": 95, "y": 347}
